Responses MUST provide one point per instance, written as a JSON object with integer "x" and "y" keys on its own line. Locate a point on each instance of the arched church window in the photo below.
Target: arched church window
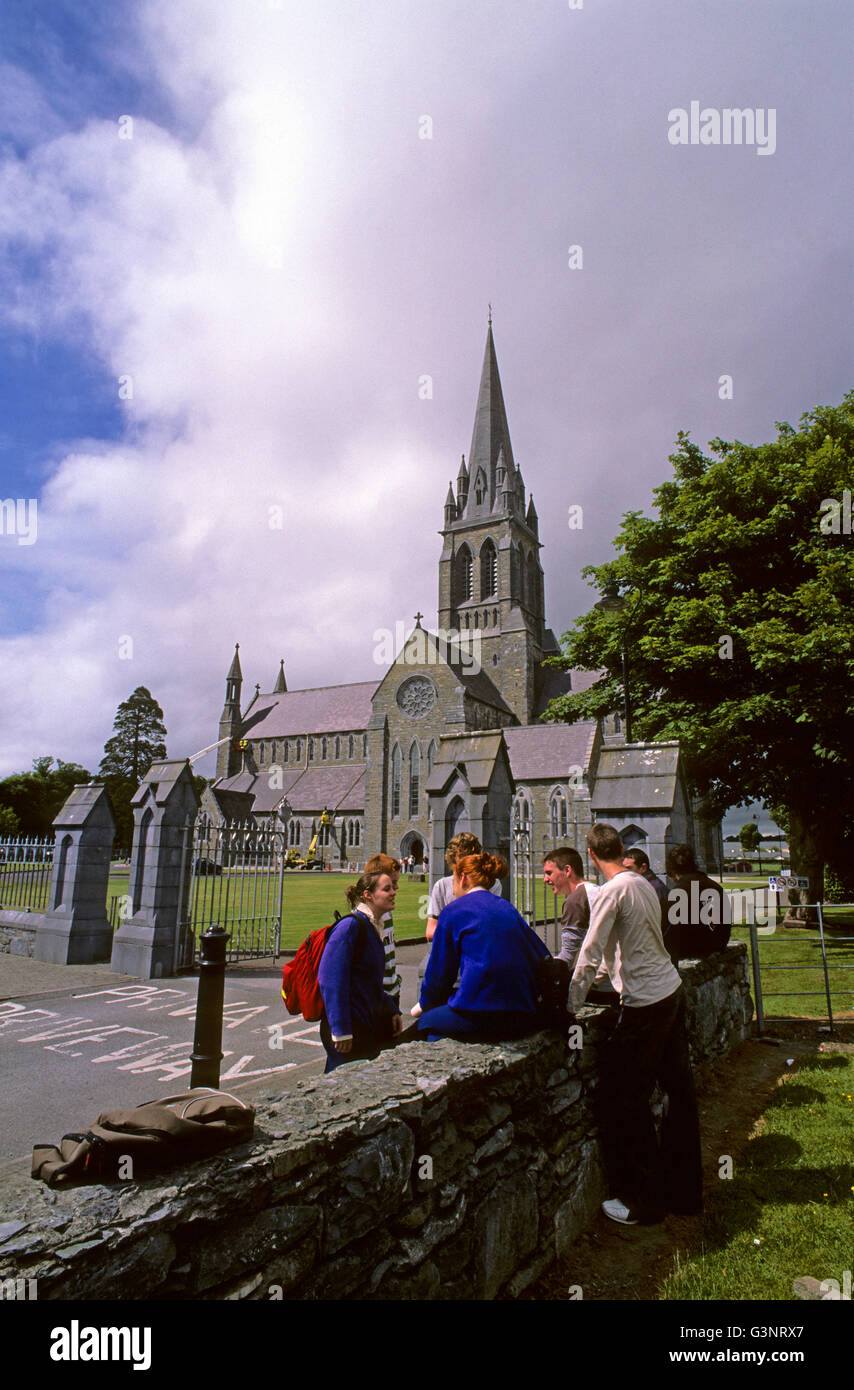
{"x": 298, "y": 754}
{"x": 324, "y": 747}
{"x": 364, "y": 745}
{"x": 464, "y": 567}
{"x": 558, "y": 814}
{"x": 337, "y": 746}
{"x": 395, "y": 780}
{"x": 286, "y": 751}
{"x": 311, "y": 750}
{"x": 431, "y": 756}
{"x": 414, "y": 779}
{"x": 495, "y": 617}
{"x": 479, "y": 487}
{"x": 351, "y": 747}
{"x": 530, "y": 582}
{"x": 521, "y": 811}
{"x": 260, "y": 754}
{"x": 488, "y": 570}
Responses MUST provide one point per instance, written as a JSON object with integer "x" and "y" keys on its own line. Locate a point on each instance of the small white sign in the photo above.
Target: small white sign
{"x": 780, "y": 883}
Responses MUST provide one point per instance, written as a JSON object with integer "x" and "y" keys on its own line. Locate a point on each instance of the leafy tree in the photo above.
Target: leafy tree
{"x": 749, "y": 837}
{"x": 739, "y": 625}
{"x": 8, "y": 822}
{"x": 36, "y": 797}
{"x": 139, "y": 738}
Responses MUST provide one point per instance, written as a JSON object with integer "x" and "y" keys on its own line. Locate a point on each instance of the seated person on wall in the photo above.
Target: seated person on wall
{"x": 359, "y": 1018}
{"x": 697, "y": 921}
{"x": 443, "y": 891}
{"x": 484, "y": 940}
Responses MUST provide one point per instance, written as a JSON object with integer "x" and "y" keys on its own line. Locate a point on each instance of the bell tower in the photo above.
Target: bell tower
{"x": 490, "y": 576}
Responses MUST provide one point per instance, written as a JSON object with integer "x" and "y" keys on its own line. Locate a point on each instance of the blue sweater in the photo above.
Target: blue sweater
{"x": 496, "y": 954}
{"x": 351, "y": 979}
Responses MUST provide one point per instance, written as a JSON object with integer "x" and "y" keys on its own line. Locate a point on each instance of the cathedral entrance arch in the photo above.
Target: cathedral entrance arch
{"x": 412, "y": 843}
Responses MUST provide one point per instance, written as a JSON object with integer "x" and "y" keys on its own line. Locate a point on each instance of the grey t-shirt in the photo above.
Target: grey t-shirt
{"x": 443, "y": 893}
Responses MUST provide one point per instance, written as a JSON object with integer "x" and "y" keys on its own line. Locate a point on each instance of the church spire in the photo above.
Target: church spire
{"x": 234, "y": 671}
{"x": 281, "y": 686}
{"x": 491, "y": 435}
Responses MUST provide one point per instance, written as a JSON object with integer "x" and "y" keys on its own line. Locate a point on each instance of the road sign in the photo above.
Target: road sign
{"x": 781, "y": 883}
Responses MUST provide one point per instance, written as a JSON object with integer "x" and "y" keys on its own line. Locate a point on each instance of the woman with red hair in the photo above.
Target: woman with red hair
{"x": 483, "y": 940}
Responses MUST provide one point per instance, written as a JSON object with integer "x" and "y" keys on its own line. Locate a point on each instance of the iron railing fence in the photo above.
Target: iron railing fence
{"x": 774, "y": 930}
{"x": 26, "y": 868}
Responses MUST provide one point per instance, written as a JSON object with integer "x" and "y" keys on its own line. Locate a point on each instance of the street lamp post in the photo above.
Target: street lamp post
{"x": 611, "y": 604}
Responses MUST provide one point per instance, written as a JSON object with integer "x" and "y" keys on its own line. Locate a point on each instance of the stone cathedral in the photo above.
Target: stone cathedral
{"x": 451, "y": 737}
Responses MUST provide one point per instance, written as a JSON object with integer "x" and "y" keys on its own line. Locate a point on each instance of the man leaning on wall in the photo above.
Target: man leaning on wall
{"x": 649, "y": 1043}
{"x": 563, "y": 872}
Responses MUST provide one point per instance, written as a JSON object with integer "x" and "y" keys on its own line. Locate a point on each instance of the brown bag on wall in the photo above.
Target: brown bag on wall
{"x": 158, "y": 1134}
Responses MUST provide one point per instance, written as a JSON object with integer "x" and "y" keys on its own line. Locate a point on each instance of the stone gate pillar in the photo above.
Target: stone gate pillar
{"x": 144, "y": 944}
{"x": 75, "y": 929}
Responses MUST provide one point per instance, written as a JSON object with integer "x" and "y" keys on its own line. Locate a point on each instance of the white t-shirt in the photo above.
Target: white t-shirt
{"x": 443, "y": 893}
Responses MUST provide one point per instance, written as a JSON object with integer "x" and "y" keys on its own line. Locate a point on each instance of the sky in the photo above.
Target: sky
{"x": 246, "y": 253}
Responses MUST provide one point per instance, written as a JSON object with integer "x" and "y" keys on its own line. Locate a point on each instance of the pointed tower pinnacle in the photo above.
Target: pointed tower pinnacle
{"x": 234, "y": 671}
{"x": 491, "y": 434}
{"x": 281, "y": 686}
{"x": 531, "y": 519}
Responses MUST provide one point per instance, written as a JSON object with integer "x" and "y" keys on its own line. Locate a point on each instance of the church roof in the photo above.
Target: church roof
{"x": 329, "y": 709}
{"x": 635, "y": 777}
{"x": 491, "y": 431}
{"x": 540, "y": 752}
{"x": 305, "y": 789}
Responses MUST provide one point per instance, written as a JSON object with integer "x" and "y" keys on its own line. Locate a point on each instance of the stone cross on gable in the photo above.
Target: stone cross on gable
{"x": 418, "y": 617}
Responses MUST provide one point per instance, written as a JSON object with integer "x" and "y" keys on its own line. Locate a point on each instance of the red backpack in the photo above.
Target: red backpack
{"x": 300, "y": 985}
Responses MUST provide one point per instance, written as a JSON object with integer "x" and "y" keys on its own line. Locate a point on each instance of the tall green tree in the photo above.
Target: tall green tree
{"x": 739, "y": 626}
{"x": 139, "y": 737}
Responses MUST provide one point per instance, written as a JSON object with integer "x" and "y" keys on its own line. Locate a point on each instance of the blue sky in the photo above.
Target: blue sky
{"x": 276, "y": 257}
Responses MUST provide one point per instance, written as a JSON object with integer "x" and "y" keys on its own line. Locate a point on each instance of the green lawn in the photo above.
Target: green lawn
{"x": 788, "y": 1209}
{"x": 310, "y": 900}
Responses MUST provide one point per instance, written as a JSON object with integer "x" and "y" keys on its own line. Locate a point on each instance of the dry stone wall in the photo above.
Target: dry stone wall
{"x": 439, "y": 1171}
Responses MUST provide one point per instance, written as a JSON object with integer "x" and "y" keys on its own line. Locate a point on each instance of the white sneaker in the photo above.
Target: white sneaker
{"x": 618, "y": 1211}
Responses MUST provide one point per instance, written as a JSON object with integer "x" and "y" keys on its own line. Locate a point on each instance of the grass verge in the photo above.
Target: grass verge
{"x": 788, "y": 1209}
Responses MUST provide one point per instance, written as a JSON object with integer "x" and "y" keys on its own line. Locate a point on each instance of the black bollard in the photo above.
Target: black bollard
{"x": 207, "y": 1041}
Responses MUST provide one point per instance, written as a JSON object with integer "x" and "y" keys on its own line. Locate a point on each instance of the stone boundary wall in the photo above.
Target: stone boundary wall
{"x": 439, "y": 1171}
{"x": 18, "y": 932}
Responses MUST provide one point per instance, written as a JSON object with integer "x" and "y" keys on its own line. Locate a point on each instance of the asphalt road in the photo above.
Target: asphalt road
{"x": 68, "y": 1055}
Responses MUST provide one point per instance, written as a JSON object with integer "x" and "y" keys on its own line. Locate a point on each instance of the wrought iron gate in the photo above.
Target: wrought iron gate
{"x": 236, "y": 875}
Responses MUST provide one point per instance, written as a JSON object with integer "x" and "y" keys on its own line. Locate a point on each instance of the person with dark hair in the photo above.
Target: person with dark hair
{"x": 697, "y": 920}
{"x": 359, "y": 1018}
{"x": 648, "y": 1044}
{"x": 563, "y": 872}
{"x": 638, "y": 860}
{"x": 483, "y": 940}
